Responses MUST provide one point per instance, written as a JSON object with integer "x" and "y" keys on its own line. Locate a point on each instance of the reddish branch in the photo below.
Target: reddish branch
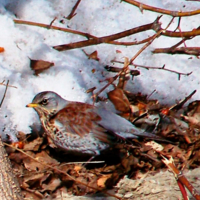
{"x": 108, "y": 39}
{"x": 72, "y": 14}
{"x": 161, "y": 68}
{"x": 182, "y": 50}
{"x": 192, "y": 33}
{"x": 142, "y": 7}
{"x": 181, "y": 179}
{"x": 49, "y": 26}
{"x": 93, "y": 40}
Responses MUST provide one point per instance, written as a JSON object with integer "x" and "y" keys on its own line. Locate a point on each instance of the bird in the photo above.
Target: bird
{"x": 81, "y": 127}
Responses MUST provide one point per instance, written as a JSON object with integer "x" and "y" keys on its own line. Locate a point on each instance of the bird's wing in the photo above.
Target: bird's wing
{"x": 122, "y": 127}
{"x": 80, "y": 118}
{"x": 117, "y": 124}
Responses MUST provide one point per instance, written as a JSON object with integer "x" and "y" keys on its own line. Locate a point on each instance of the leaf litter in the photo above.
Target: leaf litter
{"x": 44, "y": 171}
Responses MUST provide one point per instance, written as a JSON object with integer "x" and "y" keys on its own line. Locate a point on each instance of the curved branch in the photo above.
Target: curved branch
{"x": 142, "y": 6}
{"x": 106, "y": 39}
{"x": 18, "y": 21}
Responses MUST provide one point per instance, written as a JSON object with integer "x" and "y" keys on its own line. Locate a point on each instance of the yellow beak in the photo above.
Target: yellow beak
{"x": 32, "y": 105}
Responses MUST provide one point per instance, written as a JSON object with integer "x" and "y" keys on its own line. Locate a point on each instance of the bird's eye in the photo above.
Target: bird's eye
{"x": 44, "y": 102}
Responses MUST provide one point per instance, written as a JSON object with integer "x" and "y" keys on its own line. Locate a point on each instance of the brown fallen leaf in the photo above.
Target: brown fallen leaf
{"x": 21, "y": 136}
{"x": 39, "y": 66}
{"x": 33, "y": 145}
{"x": 119, "y": 99}
{"x": 193, "y": 113}
{"x": 155, "y": 146}
{"x": 77, "y": 168}
{"x": 102, "y": 180}
{"x": 44, "y": 157}
{"x": 31, "y": 180}
{"x": 93, "y": 55}
{"x": 52, "y": 185}
{"x": 174, "y": 151}
{"x": 17, "y": 157}
{"x": 33, "y": 165}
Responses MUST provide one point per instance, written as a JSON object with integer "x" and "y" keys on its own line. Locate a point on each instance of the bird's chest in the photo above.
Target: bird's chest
{"x": 50, "y": 130}
{"x": 86, "y": 144}
{"x": 66, "y": 140}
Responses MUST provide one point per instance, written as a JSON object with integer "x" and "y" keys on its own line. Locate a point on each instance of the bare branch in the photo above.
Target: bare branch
{"x": 4, "y": 95}
{"x": 17, "y": 21}
{"x": 72, "y": 14}
{"x": 105, "y": 39}
{"x": 142, "y": 6}
{"x": 160, "y": 68}
{"x": 182, "y": 50}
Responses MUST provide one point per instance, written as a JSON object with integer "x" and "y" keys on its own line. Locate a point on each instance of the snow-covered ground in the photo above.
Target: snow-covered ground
{"x": 73, "y": 72}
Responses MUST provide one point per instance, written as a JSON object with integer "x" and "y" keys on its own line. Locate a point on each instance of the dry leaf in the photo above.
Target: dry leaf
{"x": 52, "y": 185}
{"x": 40, "y": 65}
{"x": 33, "y": 145}
{"x": 34, "y": 178}
{"x": 193, "y": 113}
{"x": 77, "y": 168}
{"x": 119, "y": 99}
{"x": 102, "y": 180}
{"x": 33, "y": 165}
{"x": 17, "y": 157}
{"x": 93, "y": 55}
{"x": 155, "y": 146}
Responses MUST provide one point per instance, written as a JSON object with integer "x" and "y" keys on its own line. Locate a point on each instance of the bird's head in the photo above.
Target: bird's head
{"x": 47, "y": 103}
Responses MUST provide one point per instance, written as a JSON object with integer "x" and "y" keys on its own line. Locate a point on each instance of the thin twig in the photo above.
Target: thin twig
{"x": 50, "y": 25}
{"x": 182, "y": 50}
{"x": 149, "y": 42}
{"x": 159, "y": 68}
{"x": 108, "y": 39}
{"x": 187, "y": 34}
{"x": 17, "y": 21}
{"x": 72, "y": 14}
{"x": 179, "y": 22}
{"x": 2, "y": 83}
{"x": 142, "y": 6}
{"x": 176, "y": 45}
{"x": 88, "y": 162}
{"x": 180, "y": 104}
{"x": 93, "y": 40}
{"x": 173, "y": 49}
{"x": 132, "y": 43}
{"x": 4, "y": 95}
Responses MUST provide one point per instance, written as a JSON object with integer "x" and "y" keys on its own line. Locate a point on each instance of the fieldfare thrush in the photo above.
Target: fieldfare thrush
{"x": 81, "y": 127}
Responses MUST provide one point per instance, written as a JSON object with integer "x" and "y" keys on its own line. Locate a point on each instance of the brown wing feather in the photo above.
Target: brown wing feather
{"x": 80, "y": 118}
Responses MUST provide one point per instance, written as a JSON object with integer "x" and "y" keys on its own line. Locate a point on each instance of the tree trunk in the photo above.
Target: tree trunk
{"x": 9, "y": 186}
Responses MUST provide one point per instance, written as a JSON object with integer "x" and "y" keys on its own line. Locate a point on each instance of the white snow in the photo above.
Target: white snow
{"x": 72, "y": 74}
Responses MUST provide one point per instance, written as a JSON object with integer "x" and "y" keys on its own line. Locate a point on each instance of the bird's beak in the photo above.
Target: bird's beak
{"x": 32, "y": 105}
